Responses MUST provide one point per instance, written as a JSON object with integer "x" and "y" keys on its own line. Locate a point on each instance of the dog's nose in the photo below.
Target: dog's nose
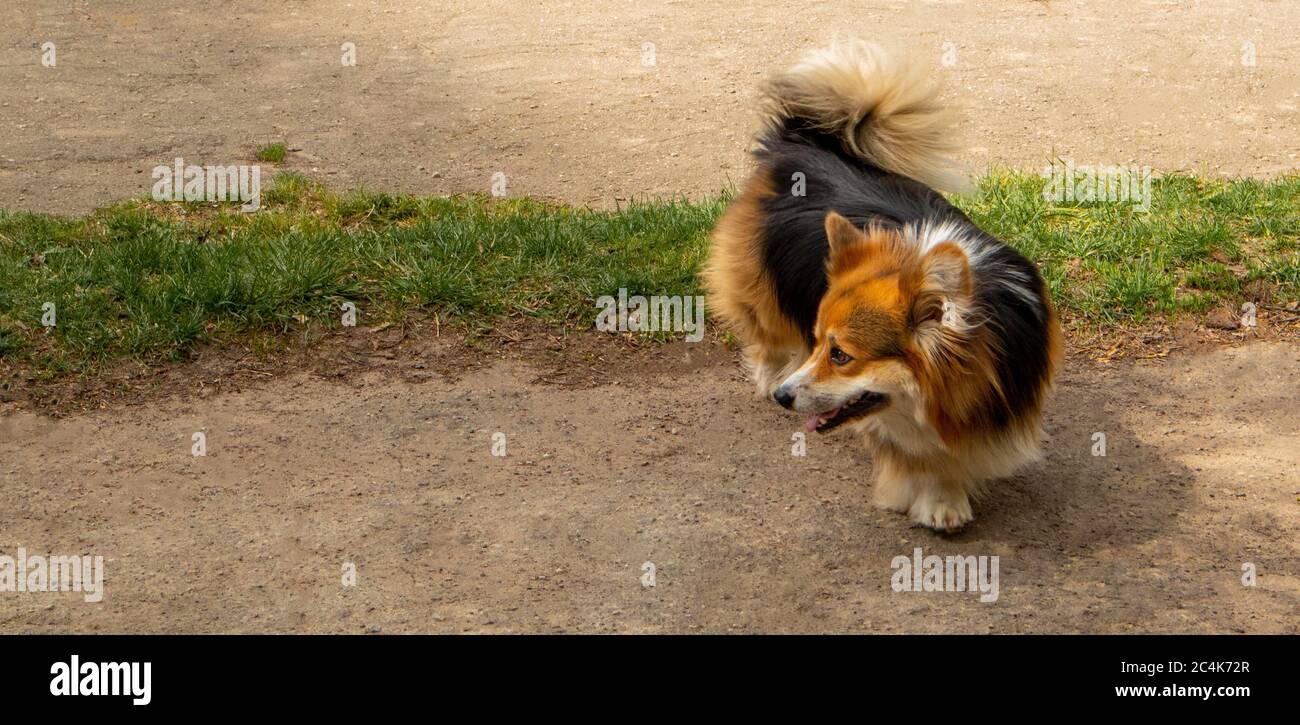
{"x": 783, "y": 397}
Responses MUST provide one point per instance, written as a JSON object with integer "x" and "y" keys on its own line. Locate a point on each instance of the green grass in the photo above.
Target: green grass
{"x": 151, "y": 281}
{"x": 1109, "y": 263}
{"x": 272, "y": 153}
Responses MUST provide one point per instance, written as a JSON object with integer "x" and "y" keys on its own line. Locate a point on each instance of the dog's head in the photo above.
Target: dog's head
{"x": 892, "y": 328}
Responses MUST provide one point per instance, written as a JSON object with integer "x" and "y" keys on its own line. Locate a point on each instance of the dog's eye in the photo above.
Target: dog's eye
{"x": 839, "y": 357}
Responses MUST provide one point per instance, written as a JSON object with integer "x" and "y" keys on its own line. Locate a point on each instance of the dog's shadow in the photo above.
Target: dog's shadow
{"x": 1097, "y": 485}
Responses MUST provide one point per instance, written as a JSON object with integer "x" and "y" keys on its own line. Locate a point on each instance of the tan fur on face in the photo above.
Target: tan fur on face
{"x": 881, "y": 284}
{"x": 905, "y": 315}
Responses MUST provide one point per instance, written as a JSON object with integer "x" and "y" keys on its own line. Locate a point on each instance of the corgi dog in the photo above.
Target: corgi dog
{"x": 866, "y": 302}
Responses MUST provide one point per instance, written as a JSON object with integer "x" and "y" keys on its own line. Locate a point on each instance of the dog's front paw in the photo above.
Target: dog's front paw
{"x": 947, "y": 513}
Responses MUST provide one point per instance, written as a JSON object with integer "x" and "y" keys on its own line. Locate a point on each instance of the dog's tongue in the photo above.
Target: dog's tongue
{"x": 811, "y": 422}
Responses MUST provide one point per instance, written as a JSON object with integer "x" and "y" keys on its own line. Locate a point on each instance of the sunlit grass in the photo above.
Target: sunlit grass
{"x": 152, "y": 280}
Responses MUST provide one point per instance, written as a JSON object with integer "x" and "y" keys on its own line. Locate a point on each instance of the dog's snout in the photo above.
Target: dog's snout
{"x": 784, "y": 397}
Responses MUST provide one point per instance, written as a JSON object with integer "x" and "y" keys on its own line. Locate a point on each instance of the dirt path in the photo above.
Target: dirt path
{"x": 670, "y": 462}
{"x": 561, "y": 97}
{"x": 676, "y": 465}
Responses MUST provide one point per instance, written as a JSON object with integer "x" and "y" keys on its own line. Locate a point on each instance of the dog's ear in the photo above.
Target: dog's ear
{"x": 845, "y": 239}
{"x": 943, "y": 288}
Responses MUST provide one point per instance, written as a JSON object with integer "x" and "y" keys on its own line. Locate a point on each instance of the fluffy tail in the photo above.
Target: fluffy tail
{"x": 884, "y": 108}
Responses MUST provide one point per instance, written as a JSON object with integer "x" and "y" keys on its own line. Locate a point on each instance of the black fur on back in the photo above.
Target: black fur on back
{"x": 795, "y": 248}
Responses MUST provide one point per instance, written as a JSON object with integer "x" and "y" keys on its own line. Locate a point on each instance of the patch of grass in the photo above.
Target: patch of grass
{"x": 1107, "y": 262}
{"x": 1282, "y": 271}
{"x": 151, "y": 280}
{"x": 1210, "y": 276}
{"x": 272, "y": 153}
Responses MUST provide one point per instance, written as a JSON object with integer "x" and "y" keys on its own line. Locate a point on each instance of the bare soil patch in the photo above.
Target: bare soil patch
{"x": 568, "y": 101}
{"x": 666, "y": 458}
